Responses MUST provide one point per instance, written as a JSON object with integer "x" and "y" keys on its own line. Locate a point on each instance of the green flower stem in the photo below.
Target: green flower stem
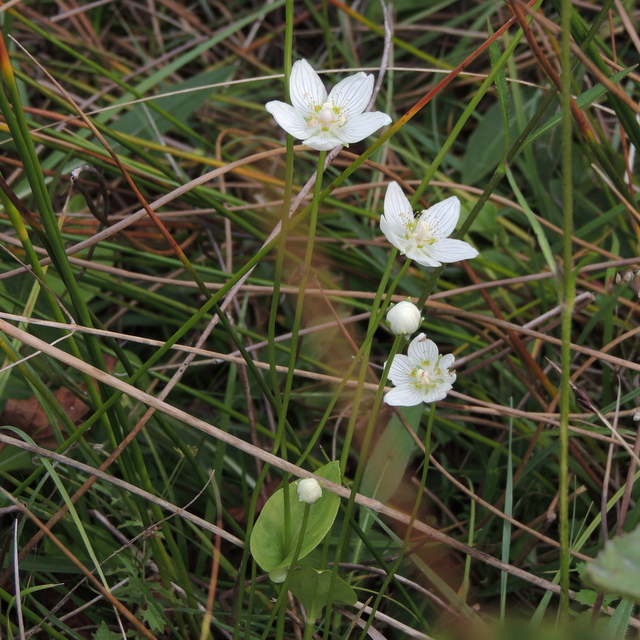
{"x": 567, "y": 301}
{"x": 284, "y": 592}
{"x": 375, "y": 409}
{"x": 362, "y": 354}
{"x": 414, "y": 514}
{"x": 378, "y": 308}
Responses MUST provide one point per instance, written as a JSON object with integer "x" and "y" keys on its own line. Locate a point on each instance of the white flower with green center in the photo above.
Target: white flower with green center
{"x": 323, "y": 122}
{"x": 424, "y": 238}
{"x": 421, "y": 376}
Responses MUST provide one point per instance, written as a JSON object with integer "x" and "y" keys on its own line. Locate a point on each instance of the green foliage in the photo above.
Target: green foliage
{"x": 274, "y": 539}
{"x": 616, "y": 567}
{"x": 152, "y": 487}
{"x": 315, "y": 591}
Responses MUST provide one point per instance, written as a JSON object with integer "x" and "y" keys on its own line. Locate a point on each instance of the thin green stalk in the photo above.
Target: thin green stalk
{"x": 567, "y": 301}
{"x": 506, "y": 526}
{"x": 376, "y": 318}
{"x": 377, "y": 309}
{"x": 144, "y": 367}
{"x": 279, "y": 608}
{"x": 297, "y": 320}
{"x": 286, "y": 206}
{"x": 280, "y": 440}
{"x": 414, "y": 514}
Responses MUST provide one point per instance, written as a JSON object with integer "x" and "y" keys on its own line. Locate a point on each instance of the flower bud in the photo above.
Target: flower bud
{"x": 309, "y": 490}
{"x": 403, "y": 318}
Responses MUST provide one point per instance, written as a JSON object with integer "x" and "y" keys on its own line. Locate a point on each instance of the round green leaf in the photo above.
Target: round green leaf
{"x": 268, "y": 536}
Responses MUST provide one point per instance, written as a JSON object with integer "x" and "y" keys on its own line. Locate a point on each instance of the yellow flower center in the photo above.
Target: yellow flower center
{"x": 423, "y": 378}
{"x": 326, "y": 116}
{"x": 419, "y": 233}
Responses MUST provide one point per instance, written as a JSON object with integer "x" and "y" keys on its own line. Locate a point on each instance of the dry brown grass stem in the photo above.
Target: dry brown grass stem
{"x": 121, "y": 484}
{"x": 268, "y": 457}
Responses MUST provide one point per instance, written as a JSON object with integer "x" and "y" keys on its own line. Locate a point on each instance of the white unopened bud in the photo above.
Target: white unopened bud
{"x": 404, "y": 318}
{"x": 309, "y": 490}
{"x": 629, "y": 276}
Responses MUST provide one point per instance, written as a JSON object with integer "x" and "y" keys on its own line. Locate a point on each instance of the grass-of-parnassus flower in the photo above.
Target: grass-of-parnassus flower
{"x": 403, "y": 318}
{"x": 423, "y": 237}
{"x": 421, "y": 376}
{"x": 323, "y": 122}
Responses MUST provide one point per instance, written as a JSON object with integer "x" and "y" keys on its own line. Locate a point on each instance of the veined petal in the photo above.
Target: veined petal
{"x": 404, "y": 396}
{"x": 358, "y": 127}
{"x": 443, "y": 217}
{"x": 447, "y": 361}
{"x": 352, "y": 94}
{"x": 322, "y": 140}
{"x": 446, "y": 379}
{"x": 400, "y": 370}
{"x": 288, "y": 118}
{"x": 422, "y": 256}
{"x": 436, "y": 393}
{"x": 393, "y": 231}
{"x": 449, "y": 250}
{"x": 422, "y": 350}
{"x": 397, "y": 215}
{"x": 395, "y": 202}
{"x": 306, "y": 88}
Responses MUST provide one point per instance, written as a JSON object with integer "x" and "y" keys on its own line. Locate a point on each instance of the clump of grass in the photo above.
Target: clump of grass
{"x": 192, "y": 316}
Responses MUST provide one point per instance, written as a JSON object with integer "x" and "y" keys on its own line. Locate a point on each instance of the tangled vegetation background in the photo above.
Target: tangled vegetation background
{"x": 187, "y": 322}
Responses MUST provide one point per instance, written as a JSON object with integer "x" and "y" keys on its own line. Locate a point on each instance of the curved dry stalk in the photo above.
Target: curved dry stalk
{"x": 121, "y": 484}
{"x": 269, "y": 458}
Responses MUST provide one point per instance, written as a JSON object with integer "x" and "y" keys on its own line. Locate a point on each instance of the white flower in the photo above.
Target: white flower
{"x": 425, "y": 238}
{"x": 309, "y": 490}
{"x": 421, "y": 376}
{"x": 403, "y": 318}
{"x": 323, "y": 122}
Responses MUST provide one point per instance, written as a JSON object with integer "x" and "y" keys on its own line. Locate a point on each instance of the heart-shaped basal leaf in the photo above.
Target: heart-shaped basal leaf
{"x": 311, "y": 587}
{"x": 616, "y": 569}
{"x": 268, "y": 536}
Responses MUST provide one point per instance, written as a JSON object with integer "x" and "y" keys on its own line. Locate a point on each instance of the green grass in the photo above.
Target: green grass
{"x": 205, "y": 335}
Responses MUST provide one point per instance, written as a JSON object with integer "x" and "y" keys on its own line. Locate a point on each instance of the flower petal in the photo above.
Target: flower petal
{"x": 391, "y": 232}
{"x": 305, "y": 88}
{"x": 400, "y": 370}
{"x": 422, "y": 256}
{"x": 323, "y": 140}
{"x": 397, "y": 214}
{"x": 404, "y": 396}
{"x": 443, "y": 217}
{"x": 449, "y": 250}
{"x": 447, "y": 361}
{"x": 352, "y": 94}
{"x": 358, "y": 127}
{"x": 288, "y": 118}
{"x": 395, "y": 202}
{"x": 436, "y": 393}
{"x": 422, "y": 351}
